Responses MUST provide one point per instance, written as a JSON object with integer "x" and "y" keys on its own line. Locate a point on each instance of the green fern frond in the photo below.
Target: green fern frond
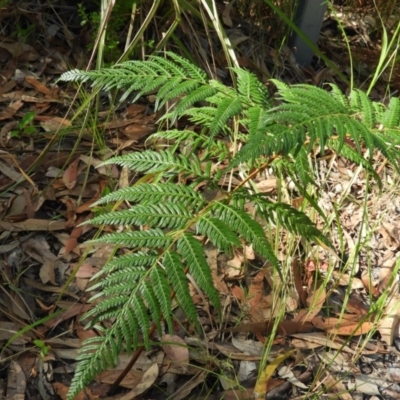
{"x": 141, "y": 314}
{"x": 162, "y": 291}
{"x": 175, "y": 272}
{"x": 161, "y": 215}
{"x": 182, "y": 194}
{"x": 250, "y": 230}
{"x": 151, "y": 238}
{"x": 391, "y": 117}
{"x": 193, "y": 252}
{"x": 251, "y": 89}
{"x": 152, "y": 303}
{"x": 218, "y": 232}
{"x": 190, "y": 69}
{"x": 152, "y": 162}
{"x": 138, "y": 259}
{"x": 135, "y": 290}
{"x": 301, "y": 166}
{"x": 227, "y": 109}
{"x": 359, "y": 101}
{"x": 202, "y": 116}
{"x": 291, "y": 219}
{"x": 257, "y": 120}
{"x": 202, "y": 93}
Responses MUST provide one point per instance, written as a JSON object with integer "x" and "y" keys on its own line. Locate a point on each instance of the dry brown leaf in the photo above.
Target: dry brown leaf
{"x": 226, "y": 18}
{"x": 16, "y": 382}
{"x": 62, "y": 391}
{"x": 388, "y": 324}
{"x": 131, "y": 380}
{"x": 315, "y": 302}
{"x": 336, "y": 386}
{"x": 317, "y": 339}
{"x": 184, "y": 390}
{"x": 238, "y": 293}
{"x": 10, "y": 172}
{"x": 232, "y": 352}
{"x": 255, "y": 296}
{"x": 235, "y": 266}
{"x": 148, "y": 379}
{"x": 71, "y": 310}
{"x": 30, "y": 225}
{"x": 38, "y": 85}
{"x": 47, "y": 273}
{"x": 337, "y": 326}
{"x": 177, "y": 351}
{"x": 70, "y": 175}
{"x": 267, "y": 185}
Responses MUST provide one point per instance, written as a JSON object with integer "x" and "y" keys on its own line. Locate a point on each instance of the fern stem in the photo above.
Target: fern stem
{"x": 130, "y": 365}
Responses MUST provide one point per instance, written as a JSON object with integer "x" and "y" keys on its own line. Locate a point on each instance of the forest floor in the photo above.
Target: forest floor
{"x": 49, "y": 179}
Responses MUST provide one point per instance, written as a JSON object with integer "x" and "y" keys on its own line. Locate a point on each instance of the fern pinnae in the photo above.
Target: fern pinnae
{"x": 152, "y": 238}
{"x": 162, "y": 215}
{"x": 143, "y": 319}
{"x": 338, "y": 95}
{"x": 250, "y": 230}
{"x": 119, "y": 277}
{"x": 150, "y": 161}
{"x": 391, "y": 116}
{"x": 192, "y": 252}
{"x": 257, "y": 120}
{"x": 145, "y": 192}
{"x": 137, "y": 260}
{"x": 306, "y": 116}
{"x": 218, "y": 233}
{"x": 251, "y": 89}
{"x": 166, "y": 66}
{"x": 163, "y": 293}
{"x": 227, "y": 109}
{"x": 152, "y": 304}
{"x": 177, "y": 277}
{"x": 190, "y": 69}
{"x": 181, "y": 89}
{"x": 367, "y": 110}
{"x": 199, "y": 94}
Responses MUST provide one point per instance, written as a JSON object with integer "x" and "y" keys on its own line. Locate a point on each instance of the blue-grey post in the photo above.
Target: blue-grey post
{"x": 309, "y": 18}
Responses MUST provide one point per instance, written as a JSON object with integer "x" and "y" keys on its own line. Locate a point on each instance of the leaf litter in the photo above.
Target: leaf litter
{"x": 327, "y": 338}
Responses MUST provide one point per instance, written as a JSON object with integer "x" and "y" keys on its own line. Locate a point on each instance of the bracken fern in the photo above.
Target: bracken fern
{"x": 169, "y": 221}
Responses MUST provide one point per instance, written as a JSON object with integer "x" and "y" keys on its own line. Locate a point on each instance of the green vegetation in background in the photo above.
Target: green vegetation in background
{"x": 116, "y": 27}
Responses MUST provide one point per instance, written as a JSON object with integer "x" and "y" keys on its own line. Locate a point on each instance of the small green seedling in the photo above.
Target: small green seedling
{"x": 25, "y": 127}
{"x": 43, "y": 348}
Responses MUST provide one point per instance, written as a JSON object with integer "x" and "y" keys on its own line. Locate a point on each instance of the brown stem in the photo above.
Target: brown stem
{"x": 131, "y": 363}
{"x": 136, "y": 354}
